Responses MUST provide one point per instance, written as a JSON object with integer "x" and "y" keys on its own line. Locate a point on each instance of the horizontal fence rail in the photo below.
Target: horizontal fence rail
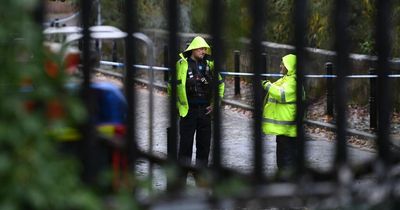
{"x": 56, "y": 22}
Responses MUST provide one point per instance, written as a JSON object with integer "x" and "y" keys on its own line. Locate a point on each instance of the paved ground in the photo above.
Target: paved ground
{"x": 358, "y": 118}
{"x": 236, "y": 140}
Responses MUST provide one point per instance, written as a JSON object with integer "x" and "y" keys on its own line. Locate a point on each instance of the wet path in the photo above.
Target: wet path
{"x": 237, "y": 145}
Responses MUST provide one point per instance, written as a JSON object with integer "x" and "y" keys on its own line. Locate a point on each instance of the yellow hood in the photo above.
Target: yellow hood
{"x": 198, "y": 42}
{"x": 289, "y": 61}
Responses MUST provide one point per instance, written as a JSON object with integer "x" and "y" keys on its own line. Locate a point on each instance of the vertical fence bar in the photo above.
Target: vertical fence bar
{"x": 166, "y": 62}
{"x": 265, "y": 69}
{"x": 130, "y": 25}
{"x": 300, "y": 22}
{"x": 216, "y": 22}
{"x": 114, "y": 53}
{"x": 173, "y": 43}
{"x": 38, "y": 14}
{"x": 384, "y": 86}
{"x": 237, "y": 70}
{"x": 258, "y": 14}
{"x": 342, "y": 69}
{"x": 264, "y": 62}
{"x": 87, "y": 129}
{"x": 329, "y": 89}
{"x": 372, "y": 101}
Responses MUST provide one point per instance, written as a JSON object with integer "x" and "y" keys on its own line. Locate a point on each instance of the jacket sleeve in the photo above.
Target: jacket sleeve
{"x": 169, "y": 84}
{"x": 284, "y": 92}
{"x": 221, "y": 83}
{"x": 221, "y": 86}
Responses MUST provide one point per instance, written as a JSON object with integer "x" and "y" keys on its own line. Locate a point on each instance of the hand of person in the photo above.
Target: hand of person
{"x": 209, "y": 109}
{"x": 263, "y": 82}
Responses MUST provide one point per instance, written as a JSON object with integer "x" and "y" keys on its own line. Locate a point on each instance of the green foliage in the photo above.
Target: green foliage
{"x": 361, "y": 26}
{"x": 111, "y": 13}
{"x": 33, "y": 174}
{"x": 200, "y": 18}
{"x": 237, "y": 21}
{"x": 152, "y": 13}
{"x": 396, "y": 29}
{"x": 279, "y": 21}
{"x": 319, "y": 30}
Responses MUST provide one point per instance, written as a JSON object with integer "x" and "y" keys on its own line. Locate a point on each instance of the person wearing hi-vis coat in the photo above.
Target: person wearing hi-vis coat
{"x": 279, "y": 114}
{"x": 194, "y": 72}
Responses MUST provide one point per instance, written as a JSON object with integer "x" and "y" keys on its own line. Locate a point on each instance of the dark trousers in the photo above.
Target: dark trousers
{"x": 196, "y": 121}
{"x": 286, "y": 152}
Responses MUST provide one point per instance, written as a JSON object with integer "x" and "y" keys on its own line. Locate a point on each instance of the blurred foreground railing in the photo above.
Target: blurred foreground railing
{"x": 375, "y": 184}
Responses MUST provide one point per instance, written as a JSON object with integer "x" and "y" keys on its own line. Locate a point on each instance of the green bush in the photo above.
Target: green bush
{"x": 33, "y": 174}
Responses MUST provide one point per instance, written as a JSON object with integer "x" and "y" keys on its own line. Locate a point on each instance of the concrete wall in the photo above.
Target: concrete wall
{"x": 316, "y": 59}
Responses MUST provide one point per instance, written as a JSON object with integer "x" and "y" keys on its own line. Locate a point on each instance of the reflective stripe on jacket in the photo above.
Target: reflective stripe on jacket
{"x": 181, "y": 72}
{"x": 279, "y": 115}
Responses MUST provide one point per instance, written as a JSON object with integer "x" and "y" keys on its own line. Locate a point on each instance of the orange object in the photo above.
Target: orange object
{"x": 71, "y": 61}
{"x": 51, "y": 68}
{"x": 55, "y": 109}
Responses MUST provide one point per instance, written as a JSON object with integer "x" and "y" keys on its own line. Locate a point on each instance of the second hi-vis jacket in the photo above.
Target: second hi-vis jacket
{"x": 279, "y": 115}
{"x": 181, "y": 75}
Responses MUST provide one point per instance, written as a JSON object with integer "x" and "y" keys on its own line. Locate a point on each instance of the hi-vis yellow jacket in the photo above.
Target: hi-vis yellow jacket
{"x": 279, "y": 115}
{"x": 181, "y": 74}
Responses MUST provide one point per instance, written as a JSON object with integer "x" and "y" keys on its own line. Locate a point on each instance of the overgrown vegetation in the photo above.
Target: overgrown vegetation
{"x": 279, "y": 26}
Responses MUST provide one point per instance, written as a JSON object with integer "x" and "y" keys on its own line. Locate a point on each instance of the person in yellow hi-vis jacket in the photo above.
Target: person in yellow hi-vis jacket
{"x": 279, "y": 114}
{"x": 194, "y": 72}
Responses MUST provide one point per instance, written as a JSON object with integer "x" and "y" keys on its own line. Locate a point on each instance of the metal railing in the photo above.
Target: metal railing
{"x": 340, "y": 186}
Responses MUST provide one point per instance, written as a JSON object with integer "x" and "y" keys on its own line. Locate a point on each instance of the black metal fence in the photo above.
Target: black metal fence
{"x": 342, "y": 187}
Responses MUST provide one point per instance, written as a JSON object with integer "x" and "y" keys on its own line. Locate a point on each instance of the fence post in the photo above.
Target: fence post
{"x": 264, "y": 70}
{"x": 329, "y": 92}
{"x": 372, "y": 101}
{"x": 264, "y": 62}
{"x": 237, "y": 70}
{"x": 166, "y": 75}
{"x": 114, "y": 53}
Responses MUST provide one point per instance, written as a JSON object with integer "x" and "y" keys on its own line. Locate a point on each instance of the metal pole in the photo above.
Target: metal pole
{"x": 264, "y": 62}
{"x": 150, "y": 60}
{"x": 166, "y": 62}
{"x": 114, "y": 53}
{"x": 300, "y": 22}
{"x": 342, "y": 70}
{"x": 384, "y": 87}
{"x": 88, "y": 142}
{"x": 216, "y": 19}
{"x": 99, "y": 22}
{"x": 329, "y": 87}
{"x": 258, "y": 14}
{"x": 264, "y": 69}
{"x": 131, "y": 146}
{"x": 172, "y": 144}
{"x": 237, "y": 70}
{"x": 373, "y": 115}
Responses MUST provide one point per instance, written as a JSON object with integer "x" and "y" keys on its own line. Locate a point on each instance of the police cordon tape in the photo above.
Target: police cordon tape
{"x": 226, "y": 73}
{"x": 395, "y": 144}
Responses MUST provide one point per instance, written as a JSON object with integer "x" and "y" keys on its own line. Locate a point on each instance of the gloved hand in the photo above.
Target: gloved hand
{"x": 264, "y": 82}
